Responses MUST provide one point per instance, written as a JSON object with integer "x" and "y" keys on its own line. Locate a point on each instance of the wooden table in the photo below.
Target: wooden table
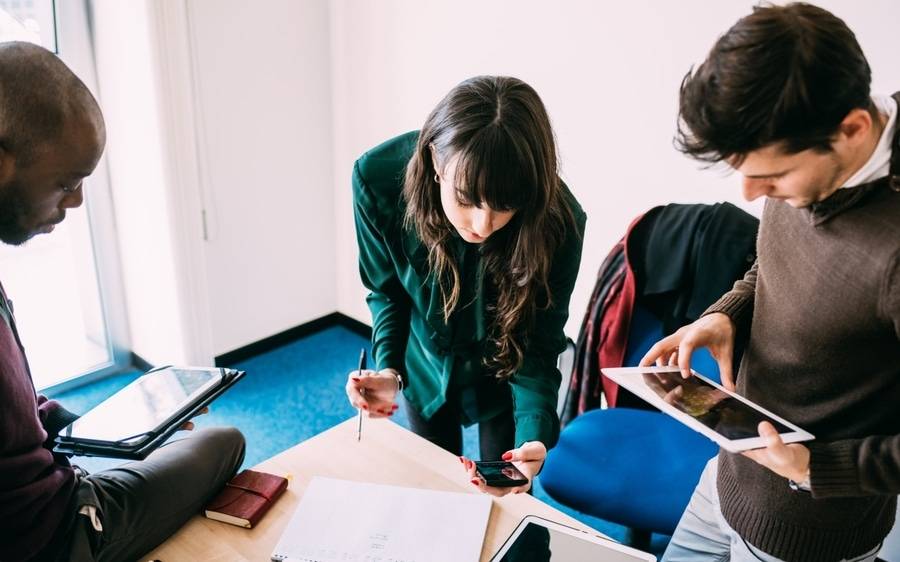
{"x": 387, "y": 454}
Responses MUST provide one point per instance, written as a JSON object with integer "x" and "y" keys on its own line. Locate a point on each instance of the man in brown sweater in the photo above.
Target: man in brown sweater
{"x": 784, "y": 99}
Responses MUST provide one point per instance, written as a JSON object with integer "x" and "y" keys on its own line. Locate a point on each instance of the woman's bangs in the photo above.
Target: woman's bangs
{"x": 496, "y": 174}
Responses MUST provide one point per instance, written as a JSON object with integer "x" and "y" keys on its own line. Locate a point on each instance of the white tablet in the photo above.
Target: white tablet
{"x": 703, "y": 405}
{"x": 540, "y": 540}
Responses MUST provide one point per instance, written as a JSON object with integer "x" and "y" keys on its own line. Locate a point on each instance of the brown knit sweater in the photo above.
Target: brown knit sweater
{"x": 822, "y": 307}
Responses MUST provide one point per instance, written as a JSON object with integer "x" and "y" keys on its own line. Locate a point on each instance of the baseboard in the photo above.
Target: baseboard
{"x": 354, "y": 325}
{"x": 293, "y": 334}
{"x": 140, "y": 363}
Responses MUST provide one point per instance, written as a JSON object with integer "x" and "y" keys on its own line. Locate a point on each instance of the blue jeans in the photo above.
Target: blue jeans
{"x": 703, "y": 534}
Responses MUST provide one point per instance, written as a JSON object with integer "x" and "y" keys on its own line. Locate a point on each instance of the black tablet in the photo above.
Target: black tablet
{"x": 138, "y": 418}
{"x": 540, "y": 540}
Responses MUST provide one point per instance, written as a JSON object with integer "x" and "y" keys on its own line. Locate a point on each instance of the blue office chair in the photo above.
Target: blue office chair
{"x": 634, "y": 467}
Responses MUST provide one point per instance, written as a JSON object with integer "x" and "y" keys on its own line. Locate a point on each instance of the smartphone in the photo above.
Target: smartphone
{"x": 500, "y": 474}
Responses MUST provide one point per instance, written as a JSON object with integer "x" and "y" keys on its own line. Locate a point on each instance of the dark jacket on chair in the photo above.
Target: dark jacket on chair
{"x": 675, "y": 260}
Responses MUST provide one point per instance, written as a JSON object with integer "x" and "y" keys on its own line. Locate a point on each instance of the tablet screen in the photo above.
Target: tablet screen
{"x": 144, "y": 405}
{"x": 538, "y": 543}
{"x": 724, "y": 414}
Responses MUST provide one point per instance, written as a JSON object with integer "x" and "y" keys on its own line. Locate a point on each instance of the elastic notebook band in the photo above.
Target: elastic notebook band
{"x": 254, "y": 492}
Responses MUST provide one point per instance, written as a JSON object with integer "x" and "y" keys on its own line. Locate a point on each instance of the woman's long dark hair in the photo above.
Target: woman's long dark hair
{"x": 500, "y": 131}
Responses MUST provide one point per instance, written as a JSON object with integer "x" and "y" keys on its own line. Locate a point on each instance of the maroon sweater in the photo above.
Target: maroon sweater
{"x": 36, "y": 488}
{"x": 822, "y": 306}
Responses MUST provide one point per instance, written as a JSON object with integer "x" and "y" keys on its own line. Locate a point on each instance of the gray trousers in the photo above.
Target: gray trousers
{"x": 140, "y": 504}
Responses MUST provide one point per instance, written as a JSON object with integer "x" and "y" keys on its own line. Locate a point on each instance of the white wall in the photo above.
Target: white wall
{"x": 253, "y": 113}
{"x": 220, "y": 151}
{"x": 130, "y": 97}
{"x": 263, "y": 92}
{"x": 607, "y": 72}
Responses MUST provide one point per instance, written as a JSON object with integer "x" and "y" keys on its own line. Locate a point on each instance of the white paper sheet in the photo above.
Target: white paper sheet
{"x": 340, "y": 520}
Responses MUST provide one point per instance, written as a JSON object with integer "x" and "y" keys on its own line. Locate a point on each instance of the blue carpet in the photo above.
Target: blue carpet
{"x": 291, "y": 394}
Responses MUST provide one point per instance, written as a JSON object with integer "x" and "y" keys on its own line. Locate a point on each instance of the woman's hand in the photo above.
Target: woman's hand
{"x": 529, "y": 458}
{"x": 373, "y": 392}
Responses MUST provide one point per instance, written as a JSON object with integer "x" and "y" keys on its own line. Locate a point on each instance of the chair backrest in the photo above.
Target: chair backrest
{"x": 680, "y": 259}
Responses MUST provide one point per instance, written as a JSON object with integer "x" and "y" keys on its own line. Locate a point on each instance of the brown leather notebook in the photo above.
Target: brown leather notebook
{"x": 246, "y": 498}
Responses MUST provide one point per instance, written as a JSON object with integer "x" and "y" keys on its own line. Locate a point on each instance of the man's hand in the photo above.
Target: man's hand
{"x": 529, "y": 458}
{"x": 790, "y": 461}
{"x": 714, "y": 331}
{"x": 373, "y": 392}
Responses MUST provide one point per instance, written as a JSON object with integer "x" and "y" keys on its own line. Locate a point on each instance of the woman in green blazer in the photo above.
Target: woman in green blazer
{"x": 470, "y": 244}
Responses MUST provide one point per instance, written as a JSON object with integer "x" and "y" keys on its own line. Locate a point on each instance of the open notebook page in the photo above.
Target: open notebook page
{"x": 340, "y": 520}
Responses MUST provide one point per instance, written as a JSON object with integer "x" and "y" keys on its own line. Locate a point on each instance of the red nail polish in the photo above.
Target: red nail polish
{"x": 365, "y": 407}
{"x": 474, "y": 481}
{"x": 460, "y": 459}
{"x": 507, "y": 456}
{"x": 355, "y": 379}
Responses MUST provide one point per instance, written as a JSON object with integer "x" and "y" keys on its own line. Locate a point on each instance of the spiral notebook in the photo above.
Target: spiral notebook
{"x": 340, "y": 520}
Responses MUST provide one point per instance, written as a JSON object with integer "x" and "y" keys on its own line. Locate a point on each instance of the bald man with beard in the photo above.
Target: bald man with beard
{"x": 52, "y": 135}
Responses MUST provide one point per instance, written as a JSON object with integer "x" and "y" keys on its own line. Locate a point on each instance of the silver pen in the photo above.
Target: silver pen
{"x": 359, "y": 415}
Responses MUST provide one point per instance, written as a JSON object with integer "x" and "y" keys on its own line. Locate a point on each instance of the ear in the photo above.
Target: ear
{"x": 434, "y": 158}
{"x": 856, "y": 126}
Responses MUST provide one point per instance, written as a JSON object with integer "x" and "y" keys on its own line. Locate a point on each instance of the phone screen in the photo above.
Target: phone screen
{"x": 500, "y": 473}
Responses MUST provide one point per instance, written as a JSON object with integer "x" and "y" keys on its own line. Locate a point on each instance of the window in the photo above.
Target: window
{"x": 29, "y": 20}
{"x": 69, "y": 327}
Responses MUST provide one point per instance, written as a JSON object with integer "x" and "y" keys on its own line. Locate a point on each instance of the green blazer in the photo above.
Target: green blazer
{"x": 443, "y": 360}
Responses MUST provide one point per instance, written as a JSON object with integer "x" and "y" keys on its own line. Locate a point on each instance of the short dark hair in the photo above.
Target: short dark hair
{"x": 783, "y": 74}
{"x": 38, "y": 95}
